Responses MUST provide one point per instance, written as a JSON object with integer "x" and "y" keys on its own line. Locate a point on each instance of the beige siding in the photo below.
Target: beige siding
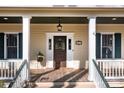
{"x": 38, "y": 37}
{"x": 10, "y": 28}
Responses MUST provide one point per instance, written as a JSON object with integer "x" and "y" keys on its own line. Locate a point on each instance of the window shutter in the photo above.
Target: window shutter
{"x": 20, "y": 45}
{"x": 117, "y": 45}
{"x": 1, "y": 45}
{"x": 98, "y": 45}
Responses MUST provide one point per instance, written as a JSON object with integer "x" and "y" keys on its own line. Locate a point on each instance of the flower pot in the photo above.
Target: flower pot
{"x": 40, "y": 58}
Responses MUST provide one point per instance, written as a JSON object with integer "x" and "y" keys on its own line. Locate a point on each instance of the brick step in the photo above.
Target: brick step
{"x": 64, "y": 85}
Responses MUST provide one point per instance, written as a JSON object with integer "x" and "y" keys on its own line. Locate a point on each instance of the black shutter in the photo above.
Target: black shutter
{"x": 117, "y": 45}
{"x": 98, "y": 45}
{"x": 20, "y": 45}
{"x": 1, "y": 45}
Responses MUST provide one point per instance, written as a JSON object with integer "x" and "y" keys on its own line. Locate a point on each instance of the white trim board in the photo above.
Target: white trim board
{"x": 50, "y": 53}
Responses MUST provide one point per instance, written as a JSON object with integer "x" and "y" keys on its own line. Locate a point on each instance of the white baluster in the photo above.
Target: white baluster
{"x": 8, "y": 70}
{"x": 5, "y": 70}
{"x": 119, "y": 69}
{"x": 103, "y": 68}
{"x": 109, "y": 65}
{"x": 2, "y": 69}
{"x": 113, "y": 69}
{"x": 100, "y": 65}
{"x": 122, "y": 70}
{"x": 106, "y": 69}
{"x": 14, "y": 69}
{"x": 116, "y": 70}
{"x": 11, "y": 69}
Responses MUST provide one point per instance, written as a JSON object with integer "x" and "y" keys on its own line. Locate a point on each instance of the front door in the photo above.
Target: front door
{"x": 60, "y": 51}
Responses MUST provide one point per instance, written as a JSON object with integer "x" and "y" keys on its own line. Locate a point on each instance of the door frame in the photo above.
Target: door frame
{"x": 50, "y": 53}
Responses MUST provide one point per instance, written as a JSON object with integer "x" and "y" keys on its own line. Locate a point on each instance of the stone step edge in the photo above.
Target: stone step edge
{"x": 116, "y": 84}
{"x": 63, "y": 83}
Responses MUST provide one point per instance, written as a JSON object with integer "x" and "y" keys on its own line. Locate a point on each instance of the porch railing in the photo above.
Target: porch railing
{"x": 99, "y": 79}
{"x": 112, "y": 69}
{"x": 20, "y": 77}
{"x": 8, "y": 69}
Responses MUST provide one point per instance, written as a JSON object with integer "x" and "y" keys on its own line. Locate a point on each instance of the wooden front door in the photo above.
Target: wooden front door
{"x": 60, "y": 51}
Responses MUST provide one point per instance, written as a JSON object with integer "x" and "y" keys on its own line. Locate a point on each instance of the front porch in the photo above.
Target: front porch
{"x": 85, "y": 38}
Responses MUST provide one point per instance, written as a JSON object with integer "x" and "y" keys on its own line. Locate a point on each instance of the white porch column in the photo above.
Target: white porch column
{"x": 26, "y": 41}
{"x": 26, "y": 38}
{"x": 92, "y": 46}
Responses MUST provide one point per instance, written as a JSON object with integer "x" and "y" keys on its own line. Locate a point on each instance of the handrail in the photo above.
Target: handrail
{"x": 18, "y": 73}
{"x": 101, "y": 75}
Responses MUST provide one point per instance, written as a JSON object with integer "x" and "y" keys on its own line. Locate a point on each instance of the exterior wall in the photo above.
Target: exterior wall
{"x": 38, "y": 38}
{"x": 38, "y": 33}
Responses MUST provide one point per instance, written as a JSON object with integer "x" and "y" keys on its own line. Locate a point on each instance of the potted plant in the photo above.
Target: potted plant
{"x": 40, "y": 57}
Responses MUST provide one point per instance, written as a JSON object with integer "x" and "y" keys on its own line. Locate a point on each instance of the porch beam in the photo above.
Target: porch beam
{"x": 26, "y": 42}
{"x": 63, "y": 13}
{"x": 92, "y": 46}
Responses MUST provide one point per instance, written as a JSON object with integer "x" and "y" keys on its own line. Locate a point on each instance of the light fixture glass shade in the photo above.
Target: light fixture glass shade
{"x": 59, "y": 27}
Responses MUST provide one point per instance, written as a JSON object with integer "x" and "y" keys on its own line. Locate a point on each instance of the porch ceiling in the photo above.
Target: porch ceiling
{"x": 64, "y": 20}
{"x": 110, "y": 20}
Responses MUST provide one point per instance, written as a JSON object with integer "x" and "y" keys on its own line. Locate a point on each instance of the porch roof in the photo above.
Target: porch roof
{"x": 63, "y": 3}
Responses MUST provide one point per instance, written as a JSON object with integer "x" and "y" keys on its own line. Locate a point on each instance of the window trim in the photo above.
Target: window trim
{"x": 113, "y": 50}
{"x": 5, "y": 44}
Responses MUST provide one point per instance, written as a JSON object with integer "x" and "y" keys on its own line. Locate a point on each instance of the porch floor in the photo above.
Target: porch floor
{"x": 61, "y": 77}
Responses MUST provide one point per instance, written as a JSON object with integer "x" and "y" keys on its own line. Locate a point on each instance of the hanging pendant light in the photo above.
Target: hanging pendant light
{"x": 59, "y": 26}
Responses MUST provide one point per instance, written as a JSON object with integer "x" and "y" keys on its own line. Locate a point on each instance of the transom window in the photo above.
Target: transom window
{"x": 107, "y": 46}
{"x": 11, "y": 46}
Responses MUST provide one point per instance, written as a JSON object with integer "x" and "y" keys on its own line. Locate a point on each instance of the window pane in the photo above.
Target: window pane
{"x": 60, "y": 43}
{"x": 12, "y": 52}
{"x": 50, "y": 44}
{"x": 11, "y": 45}
{"x": 107, "y": 46}
{"x": 69, "y": 45}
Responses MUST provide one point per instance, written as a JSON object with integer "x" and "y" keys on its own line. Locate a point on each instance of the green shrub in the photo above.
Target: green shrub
{"x": 1, "y": 83}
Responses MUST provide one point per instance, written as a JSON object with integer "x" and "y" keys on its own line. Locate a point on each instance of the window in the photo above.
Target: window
{"x": 11, "y": 46}
{"x": 108, "y": 45}
{"x": 50, "y": 44}
{"x": 107, "y": 48}
{"x": 69, "y": 44}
